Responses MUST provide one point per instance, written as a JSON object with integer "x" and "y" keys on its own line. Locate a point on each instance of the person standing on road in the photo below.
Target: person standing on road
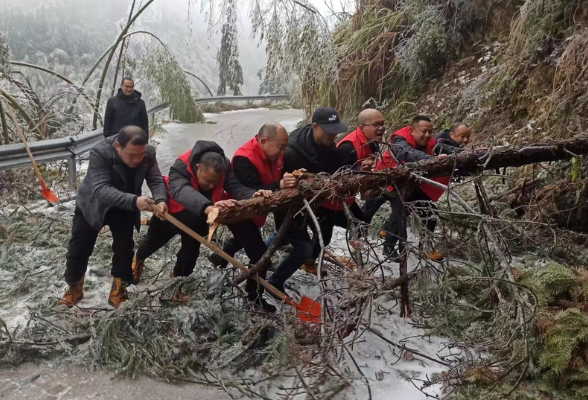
{"x": 111, "y": 195}
{"x": 126, "y": 108}
{"x": 312, "y": 148}
{"x": 412, "y": 143}
{"x": 357, "y": 151}
{"x": 196, "y": 184}
{"x": 258, "y": 165}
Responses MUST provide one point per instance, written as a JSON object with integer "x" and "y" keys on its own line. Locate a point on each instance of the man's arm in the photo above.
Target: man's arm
{"x": 405, "y": 152}
{"x": 347, "y": 154}
{"x": 445, "y": 148}
{"x": 100, "y": 173}
{"x": 247, "y": 175}
{"x": 154, "y": 179}
{"x": 109, "y": 118}
{"x": 181, "y": 189}
{"x": 236, "y": 189}
{"x": 144, "y": 117}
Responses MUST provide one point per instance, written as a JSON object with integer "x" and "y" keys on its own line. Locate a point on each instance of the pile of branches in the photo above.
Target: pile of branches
{"x": 504, "y": 335}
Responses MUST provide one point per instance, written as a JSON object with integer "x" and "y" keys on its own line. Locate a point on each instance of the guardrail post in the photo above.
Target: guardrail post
{"x": 71, "y": 171}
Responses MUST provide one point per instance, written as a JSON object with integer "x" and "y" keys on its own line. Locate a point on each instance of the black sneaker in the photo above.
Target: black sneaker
{"x": 259, "y": 303}
{"x": 217, "y": 260}
{"x": 390, "y": 253}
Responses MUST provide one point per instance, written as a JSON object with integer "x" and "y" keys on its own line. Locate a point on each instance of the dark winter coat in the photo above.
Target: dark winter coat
{"x": 123, "y": 110}
{"x": 446, "y": 145}
{"x": 302, "y": 152}
{"x": 406, "y": 153}
{"x": 196, "y": 201}
{"x": 105, "y": 185}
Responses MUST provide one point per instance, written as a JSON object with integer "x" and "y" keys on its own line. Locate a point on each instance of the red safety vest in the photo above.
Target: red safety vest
{"x": 388, "y": 161}
{"x": 363, "y": 151}
{"x": 176, "y": 207}
{"x": 269, "y": 172}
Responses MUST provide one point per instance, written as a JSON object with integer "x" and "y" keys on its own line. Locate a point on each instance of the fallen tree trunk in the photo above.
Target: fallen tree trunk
{"x": 318, "y": 188}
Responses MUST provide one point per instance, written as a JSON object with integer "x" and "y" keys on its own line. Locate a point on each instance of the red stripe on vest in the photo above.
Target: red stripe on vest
{"x": 176, "y": 207}
{"x": 388, "y": 161}
{"x": 269, "y": 172}
{"x": 363, "y": 151}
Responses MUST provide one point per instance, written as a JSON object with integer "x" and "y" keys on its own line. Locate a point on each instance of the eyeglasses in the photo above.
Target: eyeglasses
{"x": 377, "y": 126}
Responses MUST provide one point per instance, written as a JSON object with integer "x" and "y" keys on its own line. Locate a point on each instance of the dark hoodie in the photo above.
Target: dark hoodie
{"x": 196, "y": 201}
{"x": 302, "y": 152}
{"x": 123, "y": 110}
{"x": 446, "y": 145}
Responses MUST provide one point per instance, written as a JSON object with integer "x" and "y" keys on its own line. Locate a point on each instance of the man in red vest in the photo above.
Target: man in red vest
{"x": 359, "y": 147}
{"x": 258, "y": 165}
{"x": 195, "y": 184}
{"x": 413, "y": 143}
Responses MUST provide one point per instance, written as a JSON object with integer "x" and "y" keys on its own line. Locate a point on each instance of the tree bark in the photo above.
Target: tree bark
{"x": 318, "y": 188}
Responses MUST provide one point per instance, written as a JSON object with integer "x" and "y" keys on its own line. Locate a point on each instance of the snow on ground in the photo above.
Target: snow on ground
{"x": 388, "y": 373}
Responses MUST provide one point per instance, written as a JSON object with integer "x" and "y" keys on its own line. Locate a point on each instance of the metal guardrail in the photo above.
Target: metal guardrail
{"x": 270, "y": 97}
{"x": 68, "y": 148}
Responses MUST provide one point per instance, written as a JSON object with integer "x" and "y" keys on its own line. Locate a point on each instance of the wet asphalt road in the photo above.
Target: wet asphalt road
{"x": 230, "y": 131}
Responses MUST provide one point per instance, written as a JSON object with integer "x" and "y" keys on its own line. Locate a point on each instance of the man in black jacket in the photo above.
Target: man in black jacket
{"x": 197, "y": 182}
{"x": 111, "y": 195}
{"x": 311, "y": 147}
{"x": 453, "y": 140}
{"x": 126, "y": 108}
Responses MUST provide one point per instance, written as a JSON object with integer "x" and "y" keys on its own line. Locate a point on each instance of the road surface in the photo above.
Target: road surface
{"x": 230, "y": 130}
{"x": 33, "y": 382}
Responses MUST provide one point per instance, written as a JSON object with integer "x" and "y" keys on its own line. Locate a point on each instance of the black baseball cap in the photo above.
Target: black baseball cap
{"x": 328, "y": 119}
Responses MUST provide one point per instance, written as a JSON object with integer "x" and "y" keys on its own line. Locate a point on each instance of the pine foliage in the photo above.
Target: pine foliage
{"x": 163, "y": 70}
{"x": 229, "y": 67}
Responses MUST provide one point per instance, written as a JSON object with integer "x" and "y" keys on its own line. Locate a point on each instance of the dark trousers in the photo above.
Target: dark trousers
{"x": 330, "y": 218}
{"x": 302, "y": 251}
{"x": 160, "y": 232}
{"x": 419, "y": 201}
{"x": 83, "y": 239}
{"x": 371, "y": 207}
{"x": 246, "y": 235}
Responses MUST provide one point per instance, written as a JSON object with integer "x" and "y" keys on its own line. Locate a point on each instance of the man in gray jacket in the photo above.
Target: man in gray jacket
{"x": 111, "y": 195}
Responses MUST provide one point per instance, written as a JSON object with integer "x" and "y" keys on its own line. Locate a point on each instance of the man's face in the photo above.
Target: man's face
{"x": 461, "y": 135}
{"x": 322, "y": 137}
{"x": 132, "y": 154}
{"x": 128, "y": 87}
{"x": 207, "y": 178}
{"x": 422, "y": 133}
{"x": 374, "y": 128}
{"x": 274, "y": 147}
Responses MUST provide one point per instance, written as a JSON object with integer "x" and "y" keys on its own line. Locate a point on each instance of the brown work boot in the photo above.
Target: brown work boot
{"x": 118, "y": 292}
{"x": 138, "y": 267}
{"x": 310, "y": 267}
{"x": 73, "y": 295}
{"x": 435, "y": 256}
